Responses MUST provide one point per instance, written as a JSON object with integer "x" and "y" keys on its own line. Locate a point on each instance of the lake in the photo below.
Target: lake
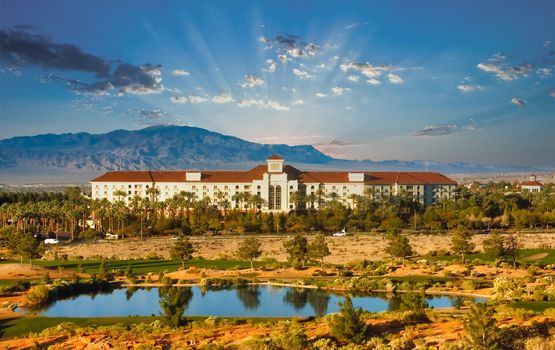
{"x": 245, "y": 301}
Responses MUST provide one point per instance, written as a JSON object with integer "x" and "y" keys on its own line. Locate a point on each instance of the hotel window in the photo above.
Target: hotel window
{"x": 128, "y": 192}
{"x": 236, "y": 187}
{"x": 271, "y": 197}
{"x": 278, "y": 197}
{"x": 146, "y": 186}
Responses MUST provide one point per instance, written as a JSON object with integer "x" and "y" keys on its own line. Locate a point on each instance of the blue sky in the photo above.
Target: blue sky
{"x": 468, "y": 81}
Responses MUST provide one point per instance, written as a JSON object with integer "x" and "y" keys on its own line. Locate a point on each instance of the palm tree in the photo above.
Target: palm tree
{"x": 320, "y": 195}
{"x": 256, "y": 201}
{"x": 294, "y": 198}
{"x": 153, "y": 193}
{"x": 311, "y": 199}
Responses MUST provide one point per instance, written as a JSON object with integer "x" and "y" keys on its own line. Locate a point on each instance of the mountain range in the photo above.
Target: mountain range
{"x": 81, "y": 155}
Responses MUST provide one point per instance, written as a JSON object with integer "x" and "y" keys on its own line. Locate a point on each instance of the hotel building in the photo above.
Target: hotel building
{"x": 275, "y": 183}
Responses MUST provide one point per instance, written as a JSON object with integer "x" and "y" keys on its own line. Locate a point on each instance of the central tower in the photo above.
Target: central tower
{"x": 275, "y": 164}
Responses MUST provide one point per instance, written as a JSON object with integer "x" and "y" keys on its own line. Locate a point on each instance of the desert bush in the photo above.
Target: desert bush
{"x": 39, "y": 295}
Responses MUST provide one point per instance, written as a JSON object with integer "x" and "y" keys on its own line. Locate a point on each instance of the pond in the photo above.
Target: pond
{"x": 245, "y": 301}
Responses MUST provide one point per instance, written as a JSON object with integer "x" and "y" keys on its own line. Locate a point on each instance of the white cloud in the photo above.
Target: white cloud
{"x": 545, "y": 72}
{"x": 518, "y": 101}
{"x": 223, "y": 98}
{"x": 497, "y": 64}
{"x": 180, "y": 72}
{"x": 469, "y": 87}
{"x": 251, "y": 81}
{"x": 187, "y": 99}
{"x": 547, "y": 43}
{"x": 283, "y": 58}
{"x": 394, "y": 79}
{"x": 269, "y": 104}
{"x": 179, "y": 100}
{"x": 197, "y": 99}
{"x": 445, "y": 129}
{"x": 353, "y": 78}
{"x": 552, "y": 93}
{"x": 272, "y": 66}
{"x": 366, "y": 68}
{"x": 302, "y": 74}
{"x": 298, "y": 102}
{"x": 320, "y": 94}
{"x": 338, "y": 90}
{"x": 291, "y": 45}
{"x": 373, "y": 81}
{"x": 151, "y": 114}
{"x": 357, "y": 24}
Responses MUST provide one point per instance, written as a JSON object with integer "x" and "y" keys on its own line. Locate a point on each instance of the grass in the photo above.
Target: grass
{"x": 145, "y": 266}
{"x": 537, "y": 306}
{"x": 523, "y": 255}
{"x": 8, "y": 283}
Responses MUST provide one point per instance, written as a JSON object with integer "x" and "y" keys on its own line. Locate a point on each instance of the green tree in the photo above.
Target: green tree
{"x": 249, "y": 250}
{"x": 511, "y": 248}
{"x": 318, "y": 249}
{"x": 481, "y": 328}
{"x": 174, "y": 301}
{"x": 182, "y": 250}
{"x": 297, "y": 248}
{"x": 26, "y": 246}
{"x": 460, "y": 243}
{"x": 348, "y": 325}
{"x": 398, "y": 245}
{"x": 494, "y": 246}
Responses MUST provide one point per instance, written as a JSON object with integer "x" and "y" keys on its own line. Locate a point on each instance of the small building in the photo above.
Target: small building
{"x": 532, "y": 185}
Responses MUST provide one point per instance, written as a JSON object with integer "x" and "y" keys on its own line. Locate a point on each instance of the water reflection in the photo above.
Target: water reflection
{"x": 249, "y": 296}
{"x": 245, "y": 301}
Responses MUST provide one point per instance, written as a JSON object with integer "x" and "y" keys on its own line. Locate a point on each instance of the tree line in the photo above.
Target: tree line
{"x": 74, "y": 213}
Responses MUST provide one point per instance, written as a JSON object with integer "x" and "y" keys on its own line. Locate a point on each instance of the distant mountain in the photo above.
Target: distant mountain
{"x": 79, "y": 156}
{"x": 157, "y": 147}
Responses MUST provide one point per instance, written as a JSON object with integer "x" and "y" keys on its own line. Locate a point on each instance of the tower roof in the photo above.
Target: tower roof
{"x": 274, "y": 157}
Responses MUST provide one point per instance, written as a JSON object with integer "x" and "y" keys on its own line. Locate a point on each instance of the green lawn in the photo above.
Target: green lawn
{"x": 540, "y": 256}
{"x": 144, "y": 266}
{"x": 537, "y": 306}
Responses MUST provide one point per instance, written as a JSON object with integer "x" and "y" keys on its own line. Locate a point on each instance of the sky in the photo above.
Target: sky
{"x": 452, "y": 81}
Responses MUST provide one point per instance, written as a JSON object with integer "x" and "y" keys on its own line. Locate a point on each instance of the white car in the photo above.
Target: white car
{"x": 111, "y": 236}
{"x": 341, "y": 233}
{"x": 51, "y": 241}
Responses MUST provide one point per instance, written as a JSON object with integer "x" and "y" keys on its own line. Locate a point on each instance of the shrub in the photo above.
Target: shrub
{"x": 39, "y": 295}
{"x": 348, "y": 325}
{"x": 468, "y": 285}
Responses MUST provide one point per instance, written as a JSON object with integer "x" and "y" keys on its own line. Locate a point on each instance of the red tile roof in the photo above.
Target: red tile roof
{"x": 256, "y": 173}
{"x": 531, "y": 183}
{"x": 275, "y": 157}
